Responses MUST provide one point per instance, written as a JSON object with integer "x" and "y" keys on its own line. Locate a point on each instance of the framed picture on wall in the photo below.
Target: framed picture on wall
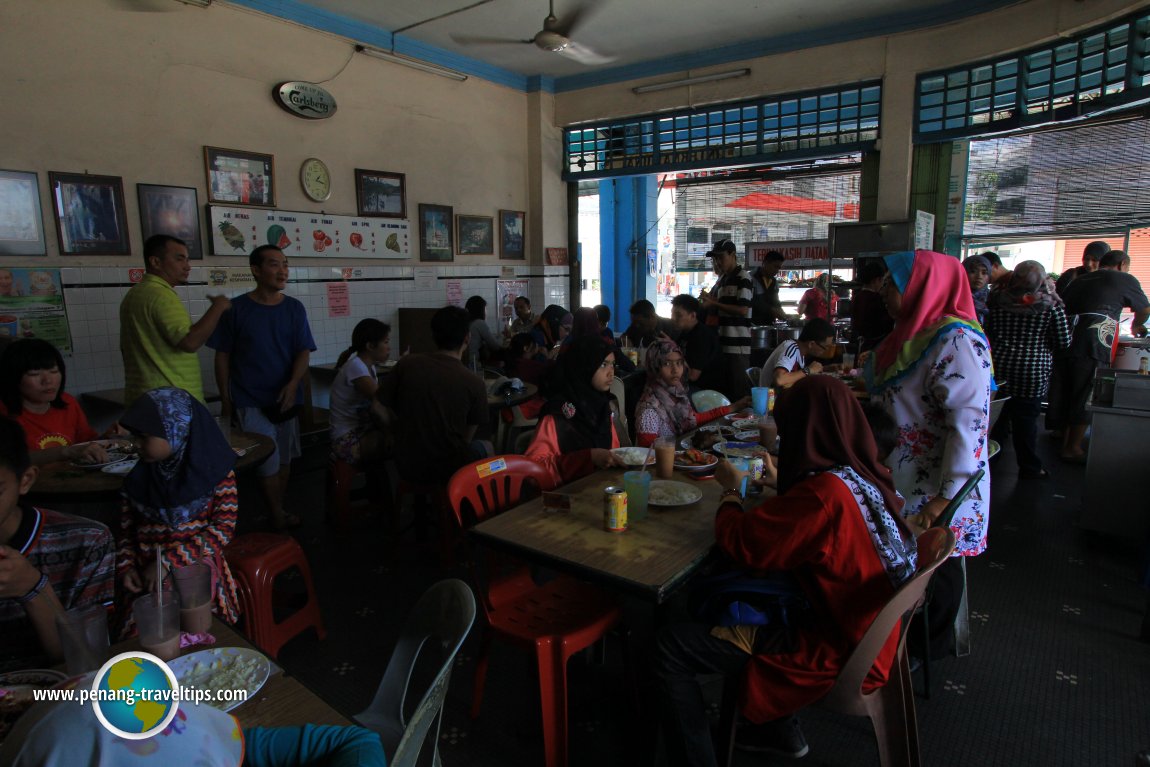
{"x": 512, "y": 226}
{"x": 171, "y": 210}
{"x": 90, "y": 217}
{"x": 240, "y": 178}
{"x": 436, "y": 242}
{"x": 21, "y": 220}
{"x": 475, "y": 234}
{"x": 381, "y": 194}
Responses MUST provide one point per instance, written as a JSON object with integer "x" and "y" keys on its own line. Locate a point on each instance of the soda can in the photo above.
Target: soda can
{"x": 771, "y": 400}
{"x": 614, "y": 509}
{"x": 755, "y": 467}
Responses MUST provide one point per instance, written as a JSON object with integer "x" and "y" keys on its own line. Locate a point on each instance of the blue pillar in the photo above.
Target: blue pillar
{"x": 627, "y": 216}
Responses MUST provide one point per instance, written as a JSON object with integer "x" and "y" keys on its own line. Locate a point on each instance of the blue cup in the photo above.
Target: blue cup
{"x": 638, "y": 486}
{"x": 760, "y": 397}
{"x": 742, "y": 464}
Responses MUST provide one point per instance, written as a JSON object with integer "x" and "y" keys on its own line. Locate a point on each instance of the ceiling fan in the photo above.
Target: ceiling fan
{"x": 555, "y": 37}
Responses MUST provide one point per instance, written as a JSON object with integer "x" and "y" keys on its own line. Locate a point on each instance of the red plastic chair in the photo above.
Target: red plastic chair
{"x": 890, "y": 708}
{"x": 255, "y": 560}
{"x": 555, "y": 620}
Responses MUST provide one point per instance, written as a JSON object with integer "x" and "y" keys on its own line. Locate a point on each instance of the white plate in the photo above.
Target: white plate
{"x": 668, "y": 492}
{"x": 121, "y": 468}
{"x": 118, "y": 450}
{"x": 737, "y": 449}
{"x": 223, "y": 668}
{"x": 33, "y": 677}
{"x": 633, "y": 456}
{"x": 700, "y": 467}
{"x": 745, "y": 423}
{"x": 747, "y": 436}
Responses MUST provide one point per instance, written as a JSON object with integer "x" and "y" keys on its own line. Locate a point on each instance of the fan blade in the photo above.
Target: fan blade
{"x": 473, "y": 40}
{"x": 578, "y": 17}
{"x": 585, "y": 55}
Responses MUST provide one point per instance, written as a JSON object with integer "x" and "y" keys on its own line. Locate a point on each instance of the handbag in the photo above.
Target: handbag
{"x": 738, "y": 598}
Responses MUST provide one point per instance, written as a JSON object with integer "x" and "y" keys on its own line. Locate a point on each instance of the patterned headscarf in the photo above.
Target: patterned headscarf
{"x": 673, "y": 400}
{"x": 935, "y": 298}
{"x": 1030, "y": 291}
{"x": 176, "y": 489}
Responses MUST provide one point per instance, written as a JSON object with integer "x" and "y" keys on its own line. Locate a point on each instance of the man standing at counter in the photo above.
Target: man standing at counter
{"x": 766, "y": 307}
{"x": 263, "y": 346}
{"x": 729, "y": 302}
{"x": 158, "y": 341}
{"x": 1096, "y": 300}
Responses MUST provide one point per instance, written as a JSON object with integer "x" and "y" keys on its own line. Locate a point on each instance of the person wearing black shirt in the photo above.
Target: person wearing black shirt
{"x": 766, "y": 307}
{"x": 700, "y": 343}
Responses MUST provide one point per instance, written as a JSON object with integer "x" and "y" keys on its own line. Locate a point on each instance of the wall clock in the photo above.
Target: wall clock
{"x": 315, "y": 179}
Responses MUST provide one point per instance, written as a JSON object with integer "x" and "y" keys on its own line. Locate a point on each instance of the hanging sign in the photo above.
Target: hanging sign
{"x": 306, "y": 100}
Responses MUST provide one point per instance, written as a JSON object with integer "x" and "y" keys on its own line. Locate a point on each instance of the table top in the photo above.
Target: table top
{"x": 528, "y": 391}
{"x": 282, "y": 702}
{"x": 62, "y": 481}
{"x": 650, "y": 560}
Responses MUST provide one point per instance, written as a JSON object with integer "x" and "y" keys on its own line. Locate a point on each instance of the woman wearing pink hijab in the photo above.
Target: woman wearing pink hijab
{"x": 933, "y": 374}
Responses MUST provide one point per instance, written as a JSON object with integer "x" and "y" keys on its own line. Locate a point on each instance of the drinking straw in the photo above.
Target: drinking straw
{"x": 159, "y": 576}
{"x": 647, "y": 457}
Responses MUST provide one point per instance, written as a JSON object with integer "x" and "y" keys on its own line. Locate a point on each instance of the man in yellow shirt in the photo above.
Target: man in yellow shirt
{"x": 157, "y": 338}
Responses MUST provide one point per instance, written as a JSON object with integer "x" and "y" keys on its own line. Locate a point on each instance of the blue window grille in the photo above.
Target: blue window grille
{"x": 775, "y": 129}
{"x": 1102, "y": 69}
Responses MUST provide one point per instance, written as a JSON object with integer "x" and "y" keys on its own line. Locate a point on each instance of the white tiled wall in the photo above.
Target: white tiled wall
{"x": 93, "y": 296}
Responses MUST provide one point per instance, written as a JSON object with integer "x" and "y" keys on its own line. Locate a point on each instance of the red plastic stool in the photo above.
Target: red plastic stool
{"x": 255, "y": 560}
{"x": 441, "y": 508}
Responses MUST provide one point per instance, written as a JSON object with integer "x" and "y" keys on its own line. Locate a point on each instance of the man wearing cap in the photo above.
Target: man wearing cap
{"x": 729, "y": 304}
{"x": 1091, "y": 256}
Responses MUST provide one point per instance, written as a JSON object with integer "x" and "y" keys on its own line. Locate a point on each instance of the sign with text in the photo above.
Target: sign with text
{"x": 792, "y": 250}
{"x": 506, "y": 291}
{"x": 338, "y": 300}
{"x": 237, "y": 231}
{"x": 32, "y": 306}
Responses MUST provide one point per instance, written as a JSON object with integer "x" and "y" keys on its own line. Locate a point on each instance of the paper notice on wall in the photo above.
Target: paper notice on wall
{"x": 923, "y": 230}
{"x": 455, "y": 293}
{"x": 424, "y": 278}
{"x": 338, "y": 300}
{"x": 233, "y": 278}
{"x": 506, "y": 291}
{"x": 32, "y": 306}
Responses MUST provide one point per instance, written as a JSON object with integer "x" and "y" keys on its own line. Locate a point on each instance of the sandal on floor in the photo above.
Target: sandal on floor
{"x": 288, "y": 522}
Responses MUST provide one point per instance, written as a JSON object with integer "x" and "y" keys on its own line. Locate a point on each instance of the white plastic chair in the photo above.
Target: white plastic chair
{"x": 620, "y": 393}
{"x": 443, "y": 616}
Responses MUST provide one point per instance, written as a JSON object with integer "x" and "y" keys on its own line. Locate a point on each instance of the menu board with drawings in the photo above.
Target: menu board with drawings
{"x": 236, "y": 231}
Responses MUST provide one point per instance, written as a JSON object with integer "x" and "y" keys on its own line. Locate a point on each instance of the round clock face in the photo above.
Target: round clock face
{"x": 315, "y": 179}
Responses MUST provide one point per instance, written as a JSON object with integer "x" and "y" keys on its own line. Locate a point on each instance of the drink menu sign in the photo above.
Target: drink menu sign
{"x": 32, "y": 306}
{"x": 237, "y": 231}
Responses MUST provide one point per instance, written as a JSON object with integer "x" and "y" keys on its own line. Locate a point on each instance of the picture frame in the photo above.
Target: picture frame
{"x": 512, "y": 234}
{"x": 380, "y": 193}
{"x": 90, "y": 215}
{"x": 173, "y": 210}
{"x": 436, "y": 232}
{"x": 21, "y": 218}
{"x": 475, "y": 235}
{"x": 236, "y": 177}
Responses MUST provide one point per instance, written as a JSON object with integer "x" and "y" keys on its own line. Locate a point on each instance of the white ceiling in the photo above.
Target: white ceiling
{"x": 643, "y": 37}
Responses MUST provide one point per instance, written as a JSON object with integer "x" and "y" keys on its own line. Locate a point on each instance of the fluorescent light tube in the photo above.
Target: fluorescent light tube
{"x": 691, "y": 81}
{"x": 422, "y": 66}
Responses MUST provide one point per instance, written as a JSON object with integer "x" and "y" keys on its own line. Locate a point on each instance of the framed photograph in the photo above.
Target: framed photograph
{"x": 240, "y": 178}
{"x": 21, "y": 220}
{"x": 381, "y": 194}
{"x": 475, "y": 234}
{"x": 512, "y": 226}
{"x": 435, "y": 233}
{"x": 171, "y": 210}
{"x": 90, "y": 217}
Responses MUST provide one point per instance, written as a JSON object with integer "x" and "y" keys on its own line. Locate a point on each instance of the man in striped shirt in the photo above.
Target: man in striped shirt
{"x": 729, "y": 305}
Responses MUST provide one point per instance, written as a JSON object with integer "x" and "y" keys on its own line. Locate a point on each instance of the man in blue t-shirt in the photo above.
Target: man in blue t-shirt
{"x": 263, "y": 344}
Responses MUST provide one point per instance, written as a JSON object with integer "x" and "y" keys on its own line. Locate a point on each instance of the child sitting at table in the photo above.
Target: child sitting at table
{"x": 180, "y": 498}
{"x": 49, "y": 562}
{"x": 32, "y": 392}
{"x": 578, "y": 426}
{"x": 665, "y": 408}
{"x": 355, "y": 436}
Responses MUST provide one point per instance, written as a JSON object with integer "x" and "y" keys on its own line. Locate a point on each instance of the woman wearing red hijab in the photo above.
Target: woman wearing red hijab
{"x": 933, "y": 375}
{"x": 836, "y": 527}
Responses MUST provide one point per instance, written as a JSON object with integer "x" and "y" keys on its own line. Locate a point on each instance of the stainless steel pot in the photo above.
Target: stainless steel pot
{"x": 760, "y": 336}
{"x": 780, "y": 333}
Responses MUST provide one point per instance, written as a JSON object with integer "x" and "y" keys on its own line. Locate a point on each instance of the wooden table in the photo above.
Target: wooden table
{"x": 282, "y": 702}
{"x": 650, "y": 560}
{"x": 63, "y": 482}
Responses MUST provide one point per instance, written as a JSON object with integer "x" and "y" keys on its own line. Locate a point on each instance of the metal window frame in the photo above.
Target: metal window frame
{"x": 1100, "y": 69}
{"x": 780, "y": 128}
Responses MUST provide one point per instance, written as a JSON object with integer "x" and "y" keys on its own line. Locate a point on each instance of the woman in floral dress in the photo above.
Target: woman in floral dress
{"x": 933, "y": 374}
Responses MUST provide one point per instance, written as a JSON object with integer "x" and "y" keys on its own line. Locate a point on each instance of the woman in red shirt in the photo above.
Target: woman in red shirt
{"x": 814, "y": 301}
{"x": 32, "y": 394}
{"x": 835, "y": 526}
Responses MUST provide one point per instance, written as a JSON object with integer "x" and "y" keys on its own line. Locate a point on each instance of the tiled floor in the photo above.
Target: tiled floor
{"x": 1057, "y": 675}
